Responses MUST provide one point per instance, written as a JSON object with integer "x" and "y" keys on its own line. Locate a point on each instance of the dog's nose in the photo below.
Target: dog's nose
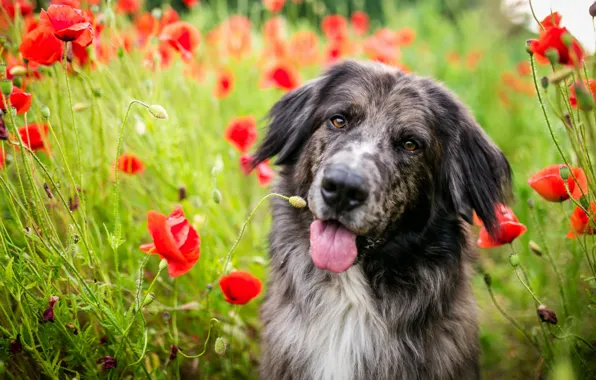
{"x": 343, "y": 189}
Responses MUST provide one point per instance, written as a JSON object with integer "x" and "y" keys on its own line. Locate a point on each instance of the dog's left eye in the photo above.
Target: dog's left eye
{"x": 410, "y": 146}
{"x": 338, "y": 121}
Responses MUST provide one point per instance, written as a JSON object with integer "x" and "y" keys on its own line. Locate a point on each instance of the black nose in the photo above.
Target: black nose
{"x": 343, "y": 189}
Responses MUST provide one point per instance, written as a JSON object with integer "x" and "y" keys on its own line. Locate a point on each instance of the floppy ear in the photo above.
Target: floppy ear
{"x": 475, "y": 171}
{"x": 290, "y": 125}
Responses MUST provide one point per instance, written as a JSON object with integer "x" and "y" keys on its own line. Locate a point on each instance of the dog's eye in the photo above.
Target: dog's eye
{"x": 338, "y": 121}
{"x": 410, "y": 146}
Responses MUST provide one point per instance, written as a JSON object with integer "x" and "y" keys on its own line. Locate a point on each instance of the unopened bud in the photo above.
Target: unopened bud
{"x": 564, "y": 172}
{"x": 544, "y": 82}
{"x": 592, "y": 9}
{"x": 585, "y": 101}
{"x": 535, "y": 248}
{"x": 163, "y": 264}
{"x": 216, "y": 195}
{"x": 547, "y": 315}
{"x": 158, "y": 111}
{"x": 488, "y": 280}
{"x": 297, "y": 202}
{"x": 45, "y": 112}
{"x": 529, "y": 47}
{"x": 514, "y": 260}
{"x": 6, "y": 87}
{"x": 17, "y": 81}
{"x": 220, "y": 346}
{"x": 553, "y": 55}
{"x": 148, "y": 299}
{"x": 566, "y": 39}
{"x": 18, "y": 71}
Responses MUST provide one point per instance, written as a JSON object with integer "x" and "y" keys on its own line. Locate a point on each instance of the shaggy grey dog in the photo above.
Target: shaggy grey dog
{"x": 372, "y": 280}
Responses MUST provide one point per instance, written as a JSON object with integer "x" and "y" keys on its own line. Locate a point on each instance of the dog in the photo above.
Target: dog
{"x": 371, "y": 281}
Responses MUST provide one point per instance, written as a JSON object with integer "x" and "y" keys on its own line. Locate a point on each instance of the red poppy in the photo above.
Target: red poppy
{"x": 35, "y": 136}
{"x": 182, "y": 36}
{"x": 2, "y": 157}
{"x": 524, "y": 68}
{"x": 246, "y": 163}
{"x": 473, "y": 59}
{"x": 552, "y": 39}
{"x": 280, "y": 76}
{"x": 274, "y": 6}
{"x": 14, "y": 7}
{"x": 128, "y": 6}
{"x": 69, "y": 24}
{"x": 169, "y": 16}
{"x": 174, "y": 239}
{"x": 304, "y": 46}
{"x": 264, "y": 174}
{"x": 551, "y": 21}
{"x": 190, "y": 3}
{"x": 274, "y": 29}
{"x": 580, "y": 222}
{"x": 591, "y": 83}
{"x": 239, "y": 287}
{"x": 224, "y": 84}
{"x": 20, "y": 100}
{"x": 241, "y": 132}
{"x": 146, "y": 26}
{"x": 195, "y": 70}
{"x": 130, "y": 164}
{"x": 232, "y": 37}
{"x": 360, "y": 22}
{"x": 383, "y": 46}
{"x": 549, "y": 184}
{"x": 41, "y": 45}
{"x": 335, "y": 27}
{"x": 70, "y": 3}
{"x": 508, "y": 229}
{"x": 405, "y": 36}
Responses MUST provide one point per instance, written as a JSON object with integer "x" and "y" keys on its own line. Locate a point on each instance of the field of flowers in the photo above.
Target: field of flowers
{"x": 126, "y": 134}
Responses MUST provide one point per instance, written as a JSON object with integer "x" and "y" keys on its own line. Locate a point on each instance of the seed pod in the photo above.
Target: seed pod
{"x": 564, "y": 172}
{"x": 547, "y": 315}
{"x": 585, "y": 101}
{"x": 220, "y": 346}
{"x": 553, "y": 55}
{"x": 6, "y": 87}
{"x": 535, "y": 248}
{"x": 297, "y": 202}
{"x": 514, "y": 260}
{"x": 592, "y": 9}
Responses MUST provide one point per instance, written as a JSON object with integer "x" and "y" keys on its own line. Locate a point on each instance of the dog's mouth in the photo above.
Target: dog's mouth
{"x": 332, "y": 245}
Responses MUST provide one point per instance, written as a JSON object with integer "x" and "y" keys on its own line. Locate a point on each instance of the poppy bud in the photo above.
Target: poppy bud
{"x": 3, "y": 129}
{"x": 173, "y": 352}
{"x": 78, "y": 107}
{"x": 564, "y": 172}
{"x": 16, "y": 347}
{"x": 209, "y": 287}
{"x": 528, "y": 47}
{"x": 547, "y": 315}
{"x": 181, "y": 193}
{"x": 514, "y": 260}
{"x": 97, "y": 92}
{"x": 297, "y": 202}
{"x": 216, "y": 195}
{"x": 568, "y": 121}
{"x": 156, "y": 13}
{"x": 48, "y": 191}
{"x": 6, "y": 87}
{"x": 544, "y": 82}
{"x": 584, "y": 98}
{"x": 148, "y": 299}
{"x": 535, "y": 248}
{"x": 166, "y": 316}
{"x": 163, "y": 264}
{"x": 566, "y": 39}
{"x": 592, "y": 9}
{"x": 45, "y": 112}
{"x": 108, "y": 362}
{"x": 220, "y": 346}
{"x": 18, "y": 71}
{"x": 18, "y": 81}
{"x": 488, "y": 280}
{"x": 553, "y": 55}
{"x": 158, "y": 111}
{"x": 48, "y": 314}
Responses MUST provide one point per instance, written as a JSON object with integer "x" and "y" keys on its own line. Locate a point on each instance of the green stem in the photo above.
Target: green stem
{"x": 212, "y": 322}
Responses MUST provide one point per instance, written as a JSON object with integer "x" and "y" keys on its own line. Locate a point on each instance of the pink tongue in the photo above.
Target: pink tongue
{"x": 332, "y": 246}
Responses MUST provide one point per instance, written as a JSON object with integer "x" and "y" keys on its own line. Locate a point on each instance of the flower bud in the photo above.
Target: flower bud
{"x": 78, "y": 107}
{"x": 182, "y": 193}
{"x": 166, "y": 316}
{"x": 174, "y": 352}
{"x": 547, "y": 315}
{"x": 45, "y": 112}
{"x": 163, "y": 264}
{"x": 148, "y": 299}
{"x": 553, "y": 55}
{"x": 514, "y": 260}
{"x": 18, "y": 71}
{"x": 156, "y": 13}
{"x": 585, "y": 101}
{"x": 220, "y": 346}
{"x": 16, "y": 347}
{"x": 17, "y": 81}
{"x": 488, "y": 280}
{"x": 6, "y": 87}
{"x": 592, "y": 9}
{"x": 535, "y": 248}
{"x": 560, "y": 76}
{"x": 297, "y": 202}
{"x": 567, "y": 39}
{"x": 216, "y": 195}
{"x": 544, "y": 82}
{"x": 564, "y": 172}
{"x": 158, "y": 111}
{"x": 108, "y": 362}
{"x": 528, "y": 47}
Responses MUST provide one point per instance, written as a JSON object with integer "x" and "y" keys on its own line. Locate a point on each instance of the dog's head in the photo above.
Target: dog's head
{"x": 372, "y": 148}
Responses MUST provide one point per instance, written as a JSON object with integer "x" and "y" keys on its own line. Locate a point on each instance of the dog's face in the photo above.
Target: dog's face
{"x": 369, "y": 146}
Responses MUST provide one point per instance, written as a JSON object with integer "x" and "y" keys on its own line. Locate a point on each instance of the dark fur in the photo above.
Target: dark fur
{"x": 414, "y": 252}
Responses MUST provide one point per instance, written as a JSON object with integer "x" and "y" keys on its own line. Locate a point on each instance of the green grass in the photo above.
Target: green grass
{"x": 45, "y": 250}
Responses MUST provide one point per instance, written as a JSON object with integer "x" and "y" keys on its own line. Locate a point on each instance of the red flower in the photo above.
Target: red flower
{"x": 130, "y": 164}
{"x": 549, "y": 184}
{"x": 383, "y": 46}
{"x": 246, "y": 163}
{"x": 360, "y": 23}
{"x": 274, "y": 30}
{"x": 69, "y": 24}
{"x": 524, "y": 69}
{"x": 335, "y": 27}
{"x": 70, "y": 3}
{"x": 551, "y": 21}
{"x": 2, "y": 157}
{"x": 405, "y": 36}
{"x": 35, "y": 136}
{"x": 190, "y": 3}
{"x": 239, "y": 287}
{"x": 41, "y": 45}
{"x": 580, "y": 222}
{"x": 14, "y": 7}
{"x": 232, "y": 37}
{"x": 552, "y": 39}
{"x": 242, "y": 133}
{"x": 274, "y": 6}
{"x": 20, "y": 100}
{"x": 591, "y": 83}
{"x": 128, "y": 6}
{"x": 508, "y": 229}
{"x": 264, "y": 172}
{"x": 182, "y": 36}
{"x": 280, "y": 76}
{"x": 169, "y": 16}
{"x": 174, "y": 240}
{"x": 224, "y": 84}
{"x": 304, "y": 46}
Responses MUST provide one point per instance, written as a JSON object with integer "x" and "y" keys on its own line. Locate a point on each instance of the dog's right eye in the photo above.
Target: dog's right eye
{"x": 338, "y": 121}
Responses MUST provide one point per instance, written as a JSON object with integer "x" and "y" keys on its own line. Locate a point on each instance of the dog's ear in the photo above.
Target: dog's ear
{"x": 290, "y": 125}
{"x": 474, "y": 170}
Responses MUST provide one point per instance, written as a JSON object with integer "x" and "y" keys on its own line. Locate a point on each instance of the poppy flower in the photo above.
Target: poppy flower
{"x": 35, "y": 136}
{"x": 383, "y": 46}
{"x": 335, "y": 27}
{"x": 405, "y": 36}
{"x": 70, "y": 3}
{"x": 551, "y": 21}
{"x": 48, "y": 314}
{"x": 20, "y": 100}
{"x": 224, "y": 84}
{"x": 304, "y": 46}
{"x": 128, "y": 6}
{"x": 524, "y": 68}
{"x": 280, "y": 76}
{"x": 41, "y": 46}
{"x": 130, "y": 164}
{"x": 14, "y": 7}
{"x": 241, "y": 132}
{"x": 232, "y": 37}
{"x": 169, "y": 16}
{"x": 195, "y": 70}
{"x": 360, "y": 22}
{"x": 2, "y": 157}
{"x": 473, "y": 59}
{"x": 190, "y": 3}
{"x": 174, "y": 240}
{"x": 549, "y": 184}
{"x": 553, "y": 39}
{"x": 146, "y": 25}
{"x": 69, "y": 24}
{"x": 591, "y": 84}
{"x": 274, "y": 29}
{"x": 508, "y": 229}
{"x": 580, "y": 222}
{"x": 182, "y": 36}
{"x": 264, "y": 174}
{"x": 274, "y": 6}
{"x": 246, "y": 163}
{"x": 239, "y": 287}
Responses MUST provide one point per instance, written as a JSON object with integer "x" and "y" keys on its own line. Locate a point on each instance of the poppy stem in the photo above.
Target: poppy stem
{"x": 214, "y": 322}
